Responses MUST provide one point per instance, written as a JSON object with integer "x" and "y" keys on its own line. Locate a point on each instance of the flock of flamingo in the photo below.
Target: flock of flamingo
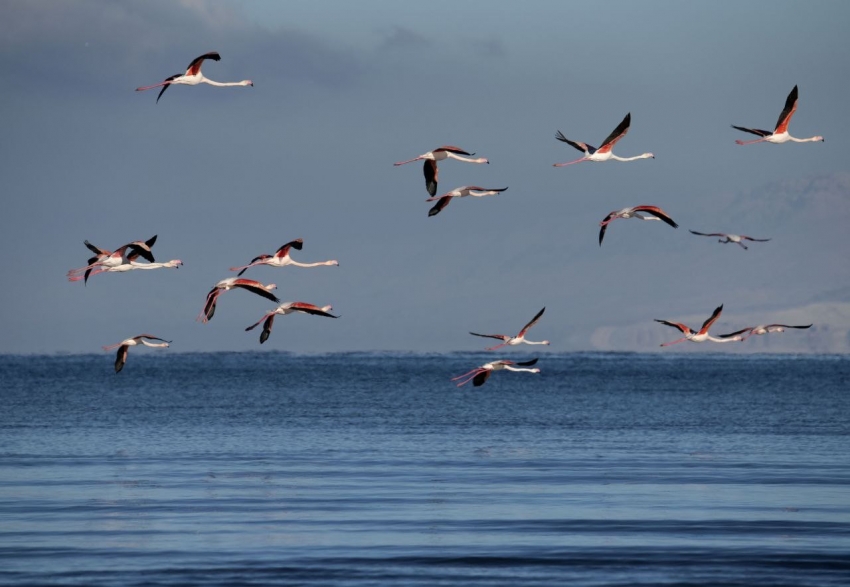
{"x": 126, "y": 257}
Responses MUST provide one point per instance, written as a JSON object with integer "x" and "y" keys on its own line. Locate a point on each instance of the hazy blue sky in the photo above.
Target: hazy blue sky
{"x": 344, "y": 89}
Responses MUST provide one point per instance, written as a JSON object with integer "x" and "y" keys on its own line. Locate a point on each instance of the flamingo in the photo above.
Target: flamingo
{"x": 193, "y": 77}
{"x": 461, "y": 192}
{"x": 289, "y": 308}
{"x": 731, "y": 238}
{"x": 515, "y": 340}
{"x": 702, "y": 335}
{"x": 603, "y": 153}
{"x": 130, "y": 266}
{"x": 125, "y": 345}
{"x": 438, "y": 154}
{"x": 479, "y": 375}
{"x": 763, "y": 329}
{"x": 643, "y": 212}
{"x": 281, "y": 258}
{"x": 230, "y": 283}
{"x": 121, "y": 255}
{"x": 780, "y": 133}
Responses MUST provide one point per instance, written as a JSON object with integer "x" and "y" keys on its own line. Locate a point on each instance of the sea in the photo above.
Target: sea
{"x": 374, "y": 469}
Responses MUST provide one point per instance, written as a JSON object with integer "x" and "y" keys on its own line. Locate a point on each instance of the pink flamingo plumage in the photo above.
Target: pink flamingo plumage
{"x": 193, "y": 77}
{"x": 479, "y": 375}
{"x": 780, "y": 132}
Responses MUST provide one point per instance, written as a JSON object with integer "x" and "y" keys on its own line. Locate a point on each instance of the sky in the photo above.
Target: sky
{"x": 342, "y": 90}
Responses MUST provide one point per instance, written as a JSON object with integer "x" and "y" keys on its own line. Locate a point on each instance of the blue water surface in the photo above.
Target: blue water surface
{"x": 374, "y": 469}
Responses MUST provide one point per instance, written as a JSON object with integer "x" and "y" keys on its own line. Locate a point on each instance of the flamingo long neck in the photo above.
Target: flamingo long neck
{"x": 154, "y": 344}
{"x": 808, "y": 140}
{"x": 168, "y": 265}
{"x": 467, "y": 159}
{"x": 730, "y": 339}
{"x": 535, "y": 342}
{"x": 636, "y": 157}
{"x": 509, "y": 368}
{"x": 224, "y": 84}
{"x": 317, "y": 264}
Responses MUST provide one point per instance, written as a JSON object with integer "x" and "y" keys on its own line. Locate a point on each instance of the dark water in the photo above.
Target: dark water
{"x": 357, "y": 469}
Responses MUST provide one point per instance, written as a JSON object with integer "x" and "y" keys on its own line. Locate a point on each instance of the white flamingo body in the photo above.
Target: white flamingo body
{"x": 461, "y": 192}
{"x": 232, "y": 283}
{"x": 642, "y": 212}
{"x": 440, "y": 153}
{"x": 288, "y": 308}
{"x": 605, "y": 152}
{"x": 780, "y": 133}
{"x": 702, "y": 334}
{"x": 515, "y": 340}
{"x": 193, "y": 77}
{"x": 479, "y": 375}
{"x": 731, "y": 238}
{"x": 281, "y": 258}
{"x": 124, "y": 347}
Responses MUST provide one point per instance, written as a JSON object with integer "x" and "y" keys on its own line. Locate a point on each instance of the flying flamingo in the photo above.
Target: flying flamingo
{"x": 129, "y": 266}
{"x": 193, "y": 77}
{"x": 230, "y": 283}
{"x": 603, "y": 153}
{"x": 125, "y": 345}
{"x": 479, "y": 375}
{"x": 514, "y": 340}
{"x": 731, "y": 238}
{"x": 702, "y": 335}
{"x": 289, "y": 308}
{"x": 438, "y": 154}
{"x": 780, "y": 133}
{"x": 642, "y": 212}
{"x": 281, "y": 258}
{"x": 121, "y": 255}
{"x": 763, "y": 329}
{"x": 461, "y": 192}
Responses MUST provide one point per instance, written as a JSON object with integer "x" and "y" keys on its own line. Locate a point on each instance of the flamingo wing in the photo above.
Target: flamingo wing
{"x": 481, "y": 378}
{"x": 496, "y": 336}
{"x": 195, "y": 67}
{"x": 96, "y": 250}
{"x": 453, "y": 149}
{"x": 680, "y": 326}
{"x": 737, "y": 332}
{"x": 658, "y": 213}
{"x": 617, "y": 134}
{"x": 527, "y": 363}
{"x": 706, "y": 233}
{"x": 151, "y": 337}
{"x": 583, "y": 147}
{"x": 603, "y": 226}
{"x": 429, "y": 168}
{"x": 267, "y": 328}
{"x": 534, "y": 320}
{"x": 755, "y": 131}
{"x": 311, "y": 309}
{"x": 787, "y": 112}
{"x": 438, "y": 207}
{"x": 209, "y": 305}
{"x": 283, "y": 251}
{"x": 165, "y": 85}
{"x": 256, "y": 287}
{"x": 714, "y": 316}
{"x": 121, "y": 357}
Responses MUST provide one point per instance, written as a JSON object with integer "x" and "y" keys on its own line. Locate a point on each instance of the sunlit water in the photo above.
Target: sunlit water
{"x": 359, "y": 469}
